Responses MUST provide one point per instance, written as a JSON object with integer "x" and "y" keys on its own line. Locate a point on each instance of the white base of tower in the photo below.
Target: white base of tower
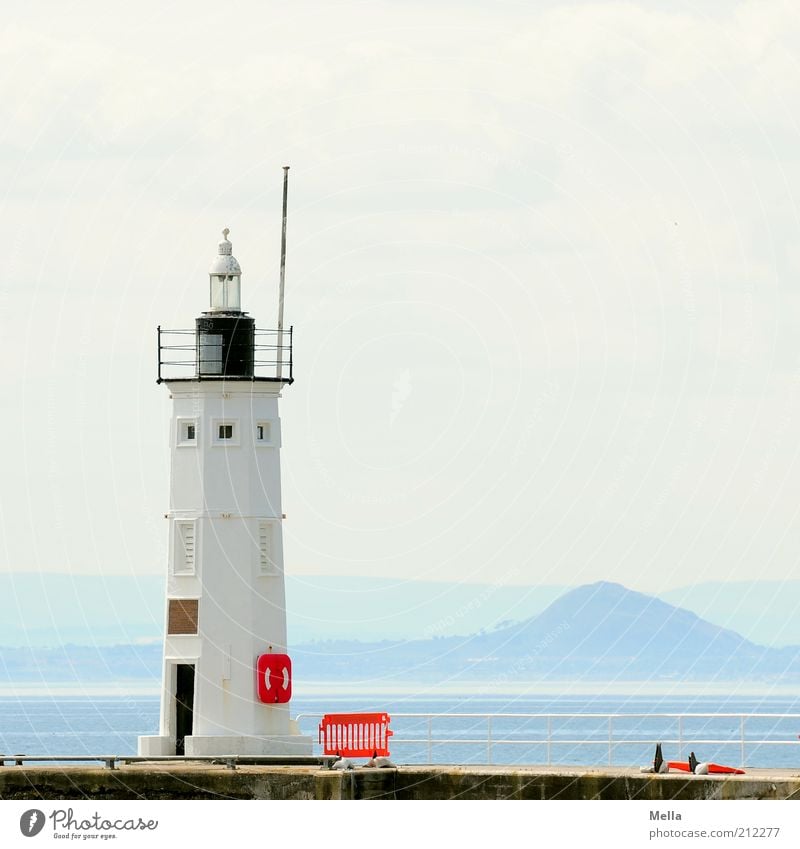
{"x": 289, "y": 745}
{"x": 196, "y": 746}
{"x": 155, "y": 747}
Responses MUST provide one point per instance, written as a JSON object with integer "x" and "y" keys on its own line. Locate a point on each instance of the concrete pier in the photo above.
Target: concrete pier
{"x": 203, "y": 781}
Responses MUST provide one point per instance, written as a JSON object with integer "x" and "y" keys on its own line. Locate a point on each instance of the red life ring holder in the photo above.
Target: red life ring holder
{"x": 274, "y": 678}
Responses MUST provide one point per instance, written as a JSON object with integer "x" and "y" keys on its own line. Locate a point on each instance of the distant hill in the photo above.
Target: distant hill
{"x": 57, "y": 609}
{"x": 600, "y": 631}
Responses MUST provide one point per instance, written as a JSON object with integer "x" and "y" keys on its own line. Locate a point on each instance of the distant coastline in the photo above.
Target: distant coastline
{"x": 470, "y": 690}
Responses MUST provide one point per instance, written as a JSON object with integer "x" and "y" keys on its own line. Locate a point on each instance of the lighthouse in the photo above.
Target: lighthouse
{"x": 227, "y": 676}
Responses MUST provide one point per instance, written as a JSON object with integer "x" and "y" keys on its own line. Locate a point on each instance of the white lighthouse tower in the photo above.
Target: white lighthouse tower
{"x": 226, "y": 675}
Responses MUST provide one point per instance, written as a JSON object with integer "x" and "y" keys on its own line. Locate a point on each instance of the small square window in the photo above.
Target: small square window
{"x": 225, "y": 432}
{"x": 187, "y": 432}
{"x": 264, "y": 433}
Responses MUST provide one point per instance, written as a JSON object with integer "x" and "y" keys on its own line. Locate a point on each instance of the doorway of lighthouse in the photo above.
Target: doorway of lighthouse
{"x": 184, "y": 704}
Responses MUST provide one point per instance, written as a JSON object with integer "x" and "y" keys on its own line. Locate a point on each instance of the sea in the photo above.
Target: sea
{"x": 453, "y": 728}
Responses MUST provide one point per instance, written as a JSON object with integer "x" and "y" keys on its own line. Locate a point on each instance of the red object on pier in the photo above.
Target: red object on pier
{"x": 355, "y": 735}
{"x": 713, "y": 769}
{"x": 274, "y": 678}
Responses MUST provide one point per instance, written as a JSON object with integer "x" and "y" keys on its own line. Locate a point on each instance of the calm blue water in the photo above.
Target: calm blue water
{"x": 80, "y": 725}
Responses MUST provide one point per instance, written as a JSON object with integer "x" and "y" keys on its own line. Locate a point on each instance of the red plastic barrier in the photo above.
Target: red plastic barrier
{"x": 355, "y": 735}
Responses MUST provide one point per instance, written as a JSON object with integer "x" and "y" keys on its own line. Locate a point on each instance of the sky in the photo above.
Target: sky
{"x": 542, "y": 267}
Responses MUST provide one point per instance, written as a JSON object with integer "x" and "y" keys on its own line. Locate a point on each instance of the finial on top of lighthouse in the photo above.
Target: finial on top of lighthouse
{"x": 225, "y": 274}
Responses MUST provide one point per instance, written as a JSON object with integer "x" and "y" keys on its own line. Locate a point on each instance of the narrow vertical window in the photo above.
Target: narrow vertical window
{"x": 226, "y": 431}
{"x": 263, "y": 432}
{"x": 265, "y": 562}
{"x": 185, "y": 548}
{"x": 190, "y": 432}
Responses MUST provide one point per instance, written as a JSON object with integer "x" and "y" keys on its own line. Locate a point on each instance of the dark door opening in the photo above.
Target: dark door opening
{"x": 184, "y": 705}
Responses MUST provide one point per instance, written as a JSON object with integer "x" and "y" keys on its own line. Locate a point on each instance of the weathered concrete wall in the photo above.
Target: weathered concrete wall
{"x": 216, "y": 782}
{"x": 203, "y": 783}
{"x": 523, "y": 784}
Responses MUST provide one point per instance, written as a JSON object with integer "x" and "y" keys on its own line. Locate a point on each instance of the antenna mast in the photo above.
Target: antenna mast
{"x": 283, "y": 272}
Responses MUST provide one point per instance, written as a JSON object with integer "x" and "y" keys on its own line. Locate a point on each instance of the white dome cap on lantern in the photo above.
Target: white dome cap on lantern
{"x": 225, "y": 274}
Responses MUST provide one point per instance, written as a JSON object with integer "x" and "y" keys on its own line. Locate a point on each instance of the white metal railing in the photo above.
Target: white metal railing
{"x": 611, "y": 741}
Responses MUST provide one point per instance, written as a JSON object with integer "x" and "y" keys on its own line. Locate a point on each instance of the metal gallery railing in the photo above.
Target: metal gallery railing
{"x": 430, "y": 732}
{"x": 186, "y": 355}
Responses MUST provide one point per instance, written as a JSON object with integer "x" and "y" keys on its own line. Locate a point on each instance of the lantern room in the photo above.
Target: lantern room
{"x": 225, "y": 279}
{"x": 225, "y": 343}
